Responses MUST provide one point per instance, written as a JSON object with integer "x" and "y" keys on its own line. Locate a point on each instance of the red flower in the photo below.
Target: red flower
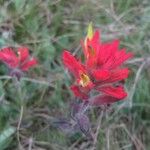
{"x": 20, "y": 62}
{"x": 102, "y": 70}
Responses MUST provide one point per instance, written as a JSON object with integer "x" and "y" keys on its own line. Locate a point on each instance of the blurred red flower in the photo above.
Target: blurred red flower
{"x": 19, "y": 62}
{"x": 102, "y": 71}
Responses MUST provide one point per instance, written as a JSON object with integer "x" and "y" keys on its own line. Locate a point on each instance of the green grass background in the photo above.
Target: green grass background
{"x": 49, "y": 26}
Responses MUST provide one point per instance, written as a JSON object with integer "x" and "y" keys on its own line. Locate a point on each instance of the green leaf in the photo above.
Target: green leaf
{"x": 5, "y": 137}
{"x": 1, "y": 89}
{"x": 19, "y": 5}
{"x": 2, "y": 42}
{"x": 48, "y": 50}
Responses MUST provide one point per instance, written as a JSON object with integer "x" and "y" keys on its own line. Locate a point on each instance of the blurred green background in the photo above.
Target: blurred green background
{"x": 49, "y": 26}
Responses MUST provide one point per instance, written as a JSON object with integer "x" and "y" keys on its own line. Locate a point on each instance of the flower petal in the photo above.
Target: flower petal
{"x": 9, "y": 57}
{"x": 117, "y": 75}
{"x": 72, "y": 64}
{"x": 30, "y": 63}
{"x": 101, "y": 74}
{"x": 77, "y": 92}
{"x": 119, "y": 58}
{"x": 23, "y": 54}
{"x": 117, "y": 92}
{"x": 106, "y": 52}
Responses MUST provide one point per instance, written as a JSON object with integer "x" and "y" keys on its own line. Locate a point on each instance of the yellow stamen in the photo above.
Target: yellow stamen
{"x": 85, "y": 80}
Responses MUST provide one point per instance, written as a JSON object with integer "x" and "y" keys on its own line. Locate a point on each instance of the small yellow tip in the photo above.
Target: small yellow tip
{"x": 90, "y": 31}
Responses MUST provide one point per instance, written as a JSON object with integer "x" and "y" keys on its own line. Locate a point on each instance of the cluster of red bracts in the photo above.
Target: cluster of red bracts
{"x": 102, "y": 74}
{"x": 17, "y": 63}
{"x": 99, "y": 80}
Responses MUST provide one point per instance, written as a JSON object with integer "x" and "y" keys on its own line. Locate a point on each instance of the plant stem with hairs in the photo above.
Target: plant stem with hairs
{"x": 19, "y": 91}
{"x": 97, "y": 130}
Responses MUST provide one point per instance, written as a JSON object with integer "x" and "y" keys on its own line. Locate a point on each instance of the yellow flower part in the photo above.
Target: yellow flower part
{"x": 85, "y": 80}
{"x": 90, "y": 31}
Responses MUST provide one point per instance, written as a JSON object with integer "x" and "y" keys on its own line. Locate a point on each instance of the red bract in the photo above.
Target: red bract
{"x": 19, "y": 62}
{"x": 102, "y": 70}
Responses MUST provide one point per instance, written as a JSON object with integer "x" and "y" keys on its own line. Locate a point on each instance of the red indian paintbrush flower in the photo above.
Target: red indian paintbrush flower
{"x": 102, "y": 71}
{"x": 17, "y": 63}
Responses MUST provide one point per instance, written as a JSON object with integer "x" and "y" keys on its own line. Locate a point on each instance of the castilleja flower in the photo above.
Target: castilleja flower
{"x": 102, "y": 71}
{"x": 17, "y": 63}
